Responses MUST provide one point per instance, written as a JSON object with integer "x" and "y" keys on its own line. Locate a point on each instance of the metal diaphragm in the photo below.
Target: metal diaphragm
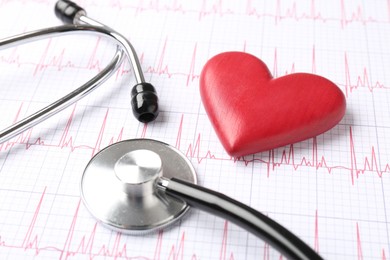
{"x": 118, "y": 185}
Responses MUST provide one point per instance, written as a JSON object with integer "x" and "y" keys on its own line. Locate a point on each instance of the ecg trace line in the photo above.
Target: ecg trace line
{"x": 219, "y": 8}
{"x": 87, "y": 244}
{"x": 272, "y": 159}
{"x": 350, "y": 84}
{"x": 287, "y": 157}
{"x": 65, "y": 141}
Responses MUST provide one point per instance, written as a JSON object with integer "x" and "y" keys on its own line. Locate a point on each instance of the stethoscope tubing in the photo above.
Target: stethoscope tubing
{"x": 240, "y": 214}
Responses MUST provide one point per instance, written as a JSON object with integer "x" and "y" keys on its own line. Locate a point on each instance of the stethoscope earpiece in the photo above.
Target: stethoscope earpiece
{"x": 144, "y": 102}
{"x": 67, "y": 11}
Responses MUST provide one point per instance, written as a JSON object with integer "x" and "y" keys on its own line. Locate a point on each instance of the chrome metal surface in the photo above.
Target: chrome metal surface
{"x": 138, "y": 172}
{"x": 105, "y": 185}
{"x": 123, "y": 46}
{"x": 126, "y": 45}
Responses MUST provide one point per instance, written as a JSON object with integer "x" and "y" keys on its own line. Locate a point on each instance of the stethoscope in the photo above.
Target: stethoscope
{"x": 139, "y": 186}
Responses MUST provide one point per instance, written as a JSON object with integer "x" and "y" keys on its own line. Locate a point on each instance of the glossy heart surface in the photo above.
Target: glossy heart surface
{"x": 252, "y": 112}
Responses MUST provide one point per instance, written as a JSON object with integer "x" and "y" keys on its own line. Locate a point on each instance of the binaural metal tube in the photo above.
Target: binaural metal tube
{"x": 144, "y": 100}
{"x": 130, "y": 51}
{"x": 64, "y": 102}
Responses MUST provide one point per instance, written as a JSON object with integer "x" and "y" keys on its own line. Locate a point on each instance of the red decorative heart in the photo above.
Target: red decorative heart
{"x": 253, "y": 112}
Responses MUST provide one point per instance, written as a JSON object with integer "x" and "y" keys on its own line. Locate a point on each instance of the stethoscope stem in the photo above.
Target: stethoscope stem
{"x": 64, "y": 102}
{"x": 130, "y": 51}
{"x": 236, "y": 212}
{"x": 69, "y": 99}
{"x": 144, "y": 99}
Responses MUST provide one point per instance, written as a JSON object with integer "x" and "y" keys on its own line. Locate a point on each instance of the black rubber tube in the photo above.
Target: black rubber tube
{"x": 242, "y": 215}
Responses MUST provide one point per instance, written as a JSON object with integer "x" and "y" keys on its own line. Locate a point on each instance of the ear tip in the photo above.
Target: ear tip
{"x": 67, "y": 10}
{"x": 144, "y": 102}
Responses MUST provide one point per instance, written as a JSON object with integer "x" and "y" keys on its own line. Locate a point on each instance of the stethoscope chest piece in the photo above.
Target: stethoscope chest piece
{"x": 119, "y": 185}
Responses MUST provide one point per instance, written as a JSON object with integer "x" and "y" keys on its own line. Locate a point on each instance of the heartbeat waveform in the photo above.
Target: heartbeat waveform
{"x": 281, "y": 12}
{"x": 359, "y": 248}
{"x": 288, "y": 158}
{"x": 350, "y": 84}
{"x": 219, "y": 8}
{"x": 66, "y": 140}
{"x": 57, "y": 61}
{"x": 86, "y": 244}
{"x": 276, "y": 158}
{"x": 362, "y": 82}
{"x": 359, "y": 243}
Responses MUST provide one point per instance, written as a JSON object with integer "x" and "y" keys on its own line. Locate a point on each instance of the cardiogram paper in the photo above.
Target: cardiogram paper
{"x": 333, "y": 190}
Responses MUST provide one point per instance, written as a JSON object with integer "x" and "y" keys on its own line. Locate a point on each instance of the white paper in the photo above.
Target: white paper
{"x": 333, "y": 190}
